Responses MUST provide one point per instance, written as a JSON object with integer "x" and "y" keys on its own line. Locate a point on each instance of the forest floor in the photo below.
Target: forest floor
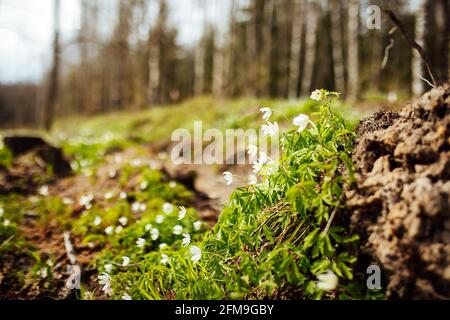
{"x": 116, "y": 160}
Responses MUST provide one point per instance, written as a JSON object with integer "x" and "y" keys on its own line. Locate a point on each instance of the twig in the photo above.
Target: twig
{"x": 428, "y": 82}
{"x": 388, "y": 48}
{"x": 415, "y": 45}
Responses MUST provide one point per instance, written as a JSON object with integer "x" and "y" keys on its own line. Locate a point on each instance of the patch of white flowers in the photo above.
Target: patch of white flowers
{"x": 195, "y": 253}
{"x": 125, "y": 261}
{"x": 140, "y": 243}
{"x": 182, "y": 213}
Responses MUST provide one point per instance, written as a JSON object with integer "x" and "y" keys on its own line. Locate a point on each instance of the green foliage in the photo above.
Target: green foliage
{"x": 273, "y": 239}
{"x": 6, "y": 156}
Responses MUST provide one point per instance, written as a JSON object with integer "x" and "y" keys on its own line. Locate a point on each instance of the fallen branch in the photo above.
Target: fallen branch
{"x": 396, "y": 21}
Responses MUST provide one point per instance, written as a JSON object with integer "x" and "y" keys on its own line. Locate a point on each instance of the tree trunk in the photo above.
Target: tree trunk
{"x": 296, "y": 49}
{"x": 417, "y": 63}
{"x": 53, "y": 87}
{"x": 310, "y": 50}
{"x": 353, "y": 50}
{"x": 337, "y": 46}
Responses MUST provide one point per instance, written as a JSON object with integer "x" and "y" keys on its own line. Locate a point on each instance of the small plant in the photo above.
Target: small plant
{"x": 283, "y": 236}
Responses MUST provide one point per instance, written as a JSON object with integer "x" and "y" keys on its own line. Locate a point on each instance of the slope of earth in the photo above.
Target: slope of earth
{"x": 401, "y": 204}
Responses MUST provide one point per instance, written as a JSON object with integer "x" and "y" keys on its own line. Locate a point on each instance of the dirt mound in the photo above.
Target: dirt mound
{"x": 401, "y": 203}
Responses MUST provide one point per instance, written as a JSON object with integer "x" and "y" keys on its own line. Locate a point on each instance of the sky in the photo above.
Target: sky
{"x": 26, "y": 31}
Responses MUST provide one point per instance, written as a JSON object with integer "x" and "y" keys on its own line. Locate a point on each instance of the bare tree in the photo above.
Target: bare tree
{"x": 53, "y": 86}
{"x": 337, "y": 46}
{"x": 310, "y": 49}
{"x": 353, "y": 50}
{"x": 296, "y": 48}
{"x": 417, "y": 63}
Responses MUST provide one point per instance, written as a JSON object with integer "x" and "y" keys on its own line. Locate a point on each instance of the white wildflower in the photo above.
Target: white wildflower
{"x": 105, "y": 280}
{"x": 6, "y": 222}
{"x": 125, "y": 261}
{"x": 140, "y": 243}
{"x": 167, "y": 208}
{"x": 112, "y": 173}
{"x": 164, "y": 259}
{"x": 270, "y": 129}
{"x": 301, "y": 122}
{"x": 186, "y": 239}
{"x": 86, "y": 200}
{"x": 119, "y": 229}
{"x": 267, "y": 113}
{"x": 228, "y": 177}
{"x": 159, "y": 219}
{"x": 172, "y": 184}
{"x": 197, "y": 225}
{"x": 148, "y": 227}
{"x": 109, "y": 230}
{"x": 108, "y": 267}
{"x": 135, "y": 206}
{"x": 327, "y": 281}
{"x": 143, "y": 185}
{"x": 154, "y": 234}
{"x": 126, "y": 296}
{"x": 123, "y": 195}
{"x": 43, "y": 191}
{"x": 162, "y": 245}
{"x": 196, "y": 254}
{"x": 142, "y": 207}
{"x": 182, "y": 213}
{"x": 177, "y": 230}
{"x": 67, "y": 201}
{"x": 97, "y": 221}
{"x": 123, "y": 221}
{"x": 109, "y": 195}
{"x": 317, "y": 95}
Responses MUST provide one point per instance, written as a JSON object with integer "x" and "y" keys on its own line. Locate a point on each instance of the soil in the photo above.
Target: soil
{"x": 401, "y": 203}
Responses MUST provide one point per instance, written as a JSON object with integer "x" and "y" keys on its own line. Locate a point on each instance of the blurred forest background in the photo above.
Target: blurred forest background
{"x": 127, "y": 54}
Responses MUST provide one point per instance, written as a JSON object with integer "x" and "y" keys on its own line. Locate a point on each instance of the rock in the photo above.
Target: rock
{"x": 401, "y": 203}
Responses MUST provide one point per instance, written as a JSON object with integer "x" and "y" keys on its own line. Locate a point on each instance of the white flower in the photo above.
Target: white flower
{"x": 301, "y": 122}
{"x": 143, "y": 185}
{"x": 252, "y": 180}
{"x": 109, "y": 230}
{"x": 327, "y": 281}
{"x": 123, "y": 195}
{"x": 182, "y": 213}
{"x": 67, "y": 201}
{"x": 119, "y": 229}
{"x": 123, "y": 221}
{"x": 228, "y": 177}
{"x": 197, "y": 225}
{"x": 164, "y": 259}
{"x": 108, "y": 267}
{"x": 177, "y": 230}
{"x": 317, "y": 95}
{"x": 270, "y": 129}
{"x": 196, "y": 254}
{"x": 159, "y": 219}
{"x": 86, "y": 200}
{"x": 172, "y": 184}
{"x": 263, "y": 159}
{"x": 252, "y": 151}
{"x": 148, "y": 227}
{"x": 43, "y": 191}
{"x": 6, "y": 222}
{"x": 154, "y": 234}
{"x": 109, "y": 195}
{"x": 97, "y": 221}
{"x": 136, "y": 163}
{"x": 140, "y": 243}
{"x": 125, "y": 261}
{"x": 186, "y": 239}
{"x": 162, "y": 245}
{"x": 267, "y": 113}
{"x": 105, "y": 280}
{"x": 167, "y": 208}
{"x": 142, "y": 207}
{"x": 112, "y": 173}
{"x": 135, "y": 206}
{"x": 126, "y": 296}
